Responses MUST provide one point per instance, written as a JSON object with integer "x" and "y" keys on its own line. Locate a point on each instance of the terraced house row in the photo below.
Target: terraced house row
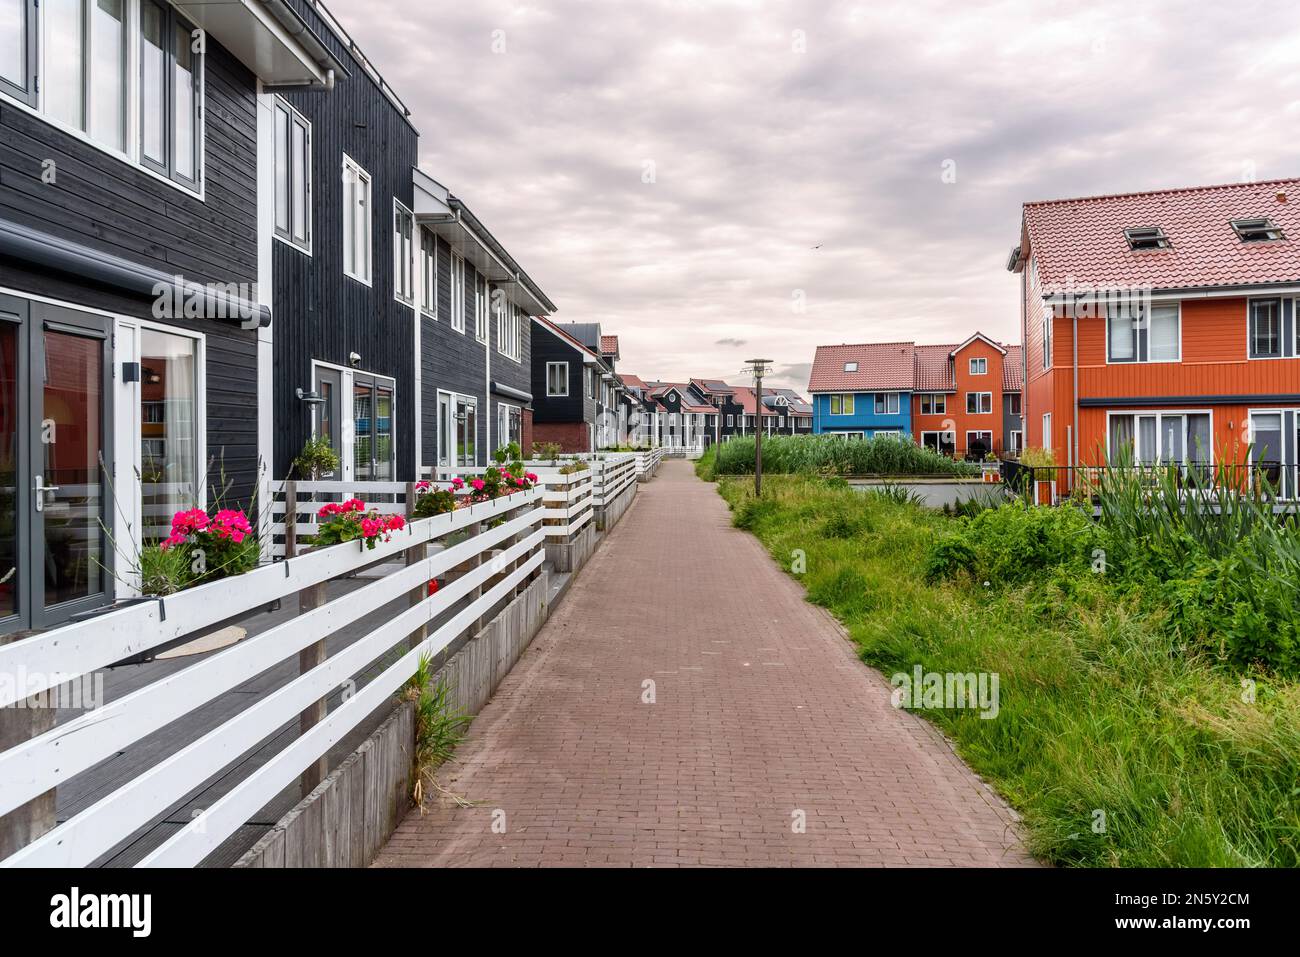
{"x": 701, "y": 412}
{"x": 216, "y": 242}
{"x": 961, "y": 400}
{"x": 1159, "y": 328}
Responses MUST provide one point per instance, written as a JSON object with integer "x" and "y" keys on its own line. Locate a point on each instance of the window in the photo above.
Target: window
{"x": 428, "y": 273}
{"x": 403, "y": 254}
{"x": 457, "y": 293}
{"x": 1015, "y": 441}
{"x": 171, "y": 73}
{"x": 979, "y": 366}
{"x": 1159, "y": 438}
{"x": 292, "y": 176}
{"x": 1134, "y": 334}
{"x": 18, "y": 49}
{"x": 557, "y": 378}
{"x": 850, "y": 367}
{"x": 1259, "y": 230}
{"x": 979, "y": 443}
{"x": 933, "y": 403}
{"x": 1047, "y": 430}
{"x": 1046, "y": 333}
{"x": 509, "y": 425}
{"x": 589, "y": 383}
{"x": 979, "y": 403}
{"x": 1265, "y": 328}
{"x": 1013, "y": 403}
{"x": 1146, "y": 237}
{"x": 170, "y": 432}
{"x": 945, "y": 443}
{"x": 483, "y": 300}
{"x": 842, "y": 404}
{"x": 356, "y": 221}
{"x": 99, "y": 62}
{"x": 886, "y": 403}
{"x": 731, "y": 421}
{"x": 509, "y": 333}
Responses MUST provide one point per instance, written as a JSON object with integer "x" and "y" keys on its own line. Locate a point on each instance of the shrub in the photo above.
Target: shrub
{"x": 350, "y": 522}
{"x": 1013, "y": 544}
{"x": 828, "y": 455}
{"x": 316, "y": 458}
{"x": 213, "y": 547}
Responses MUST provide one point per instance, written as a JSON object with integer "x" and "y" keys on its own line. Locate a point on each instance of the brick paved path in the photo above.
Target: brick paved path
{"x": 761, "y": 713}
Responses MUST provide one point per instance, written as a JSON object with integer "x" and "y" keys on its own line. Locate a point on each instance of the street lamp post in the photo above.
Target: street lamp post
{"x": 758, "y": 367}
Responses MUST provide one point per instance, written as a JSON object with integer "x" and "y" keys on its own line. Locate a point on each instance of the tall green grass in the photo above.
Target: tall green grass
{"x": 1104, "y": 708}
{"x": 828, "y": 455}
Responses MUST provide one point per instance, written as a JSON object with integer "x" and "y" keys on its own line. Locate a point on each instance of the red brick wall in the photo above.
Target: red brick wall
{"x": 526, "y": 432}
{"x": 571, "y": 436}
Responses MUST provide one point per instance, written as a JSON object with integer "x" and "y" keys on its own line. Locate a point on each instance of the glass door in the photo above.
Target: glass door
{"x": 372, "y": 419}
{"x": 13, "y": 510}
{"x": 69, "y": 459}
{"x": 329, "y": 415}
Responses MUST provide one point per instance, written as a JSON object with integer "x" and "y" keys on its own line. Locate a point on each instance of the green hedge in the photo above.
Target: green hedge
{"x": 830, "y": 455}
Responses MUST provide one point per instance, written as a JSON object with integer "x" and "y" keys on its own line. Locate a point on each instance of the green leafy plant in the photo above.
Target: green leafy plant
{"x": 577, "y": 465}
{"x": 350, "y": 522}
{"x": 547, "y": 451}
{"x": 439, "y": 727}
{"x": 316, "y": 458}
{"x": 164, "y": 571}
{"x": 829, "y": 455}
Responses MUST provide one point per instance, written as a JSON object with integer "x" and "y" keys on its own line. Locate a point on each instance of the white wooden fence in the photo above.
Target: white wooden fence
{"x": 486, "y": 553}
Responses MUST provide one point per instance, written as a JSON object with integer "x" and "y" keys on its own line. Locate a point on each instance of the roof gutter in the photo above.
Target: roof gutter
{"x": 294, "y": 26}
{"x": 53, "y": 253}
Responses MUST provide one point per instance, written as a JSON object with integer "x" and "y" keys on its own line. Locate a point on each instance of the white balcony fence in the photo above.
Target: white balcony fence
{"x": 483, "y": 555}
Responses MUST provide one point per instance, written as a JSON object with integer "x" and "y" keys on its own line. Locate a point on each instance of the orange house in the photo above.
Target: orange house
{"x": 1164, "y": 325}
{"x": 967, "y": 399}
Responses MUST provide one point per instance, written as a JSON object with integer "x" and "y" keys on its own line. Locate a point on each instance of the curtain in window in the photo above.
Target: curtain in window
{"x": 1163, "y": 344}
{"x": 169, "y": 467}
{"x": 1121, "y": 439}
{"x": 1123, "y": 342}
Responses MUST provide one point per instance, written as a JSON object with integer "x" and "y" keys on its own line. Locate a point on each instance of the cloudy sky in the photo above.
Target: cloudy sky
{"x": 723, "y": 179}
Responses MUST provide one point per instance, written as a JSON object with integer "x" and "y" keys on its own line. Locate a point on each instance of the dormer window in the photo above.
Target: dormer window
{"x": 850, "y": 367}
{"x": 1257, "y": 230}
{"x": 1146, "y": 237}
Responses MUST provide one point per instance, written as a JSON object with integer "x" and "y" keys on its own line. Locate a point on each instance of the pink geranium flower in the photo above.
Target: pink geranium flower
{"x": 477, "y": 485}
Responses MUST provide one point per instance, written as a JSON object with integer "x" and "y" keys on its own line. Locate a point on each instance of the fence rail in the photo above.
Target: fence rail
{"x": 482, "y": 555}
{"x": 1049, "y": 482}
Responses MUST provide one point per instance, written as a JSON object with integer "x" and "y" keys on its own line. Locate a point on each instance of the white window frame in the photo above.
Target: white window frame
{"x": 403, "y": 257}
{"x": 1142, "y": 337}
{"x": 847, "y": 403}
{"x": 881, "y": 403}
{"x": 428, "y": 274}
{"x": 980, "y": 409}
{"x": 32, "y": 98}
{"x": 457, "y": 280}
{"x": 1016, "y": 441}
{"x": 557, "y": 365}
{"x": 510, "y": 333}
{"x": 293, "y": 119}
{"x": 1281, "y": 330}
{"x": 1015, "y": 403}
{"x": 504, "y": 411}
{"x": 484, "y": 294}
{"x": 1159, "y": 415}
{"x": 352, "y": 227}
{"x": 938, "y": 403}
{"x": 1046, "y": 330}
{"x": 979, "y": 365}
{"x": 850, "y": 367}
{"x": 985, "y": 432}
{"x": 939, "y": 439}
{"x": 1047, "y": 430}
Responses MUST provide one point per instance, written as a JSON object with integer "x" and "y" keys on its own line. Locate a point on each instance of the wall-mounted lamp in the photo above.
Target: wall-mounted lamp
{"x": 311, "y": 398}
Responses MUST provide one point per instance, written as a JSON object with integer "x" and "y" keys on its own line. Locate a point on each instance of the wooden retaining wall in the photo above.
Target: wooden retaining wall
{"x": 349, "y": 817}
{"x": 572, "y": 555}
{"x": 607, "y": 516}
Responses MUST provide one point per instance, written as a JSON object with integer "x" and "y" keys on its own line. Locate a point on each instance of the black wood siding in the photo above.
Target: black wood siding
{"x": 575, "y": 407}
{"x": 107, "y": 204}
{"x": 321, "y": 314}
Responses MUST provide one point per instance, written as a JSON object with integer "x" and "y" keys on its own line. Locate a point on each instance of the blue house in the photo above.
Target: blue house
{"x": 860, "y": 391}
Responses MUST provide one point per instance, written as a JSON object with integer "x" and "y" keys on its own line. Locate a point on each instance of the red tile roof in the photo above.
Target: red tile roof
{"x": 609, "y": 345}
{"x": 633, "y": 381}
{"x": 934, "y": 369}
{"x": 1013, "y": 370}
{"x": 881, "y": 365}
{"x": 748, "y": 400}
{"x": 1082, "y": 240}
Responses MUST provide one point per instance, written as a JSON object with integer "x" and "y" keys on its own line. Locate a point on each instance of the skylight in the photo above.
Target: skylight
{"x": 850, "y": 367}
{"x": 1146, "y": 237}
{"x": 1257, "y": 230}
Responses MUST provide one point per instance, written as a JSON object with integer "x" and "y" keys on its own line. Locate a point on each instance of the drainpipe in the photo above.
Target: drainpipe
{"x": 1074, "y": 342}
{"x": 298, "y": 30}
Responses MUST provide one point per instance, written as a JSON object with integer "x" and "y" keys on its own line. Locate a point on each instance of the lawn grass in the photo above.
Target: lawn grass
{"x": 1100, "y": 711}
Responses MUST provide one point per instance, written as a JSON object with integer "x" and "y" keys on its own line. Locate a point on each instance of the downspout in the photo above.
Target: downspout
{"x": 294, "y": 26}
{"x": 1074, "y": 342}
